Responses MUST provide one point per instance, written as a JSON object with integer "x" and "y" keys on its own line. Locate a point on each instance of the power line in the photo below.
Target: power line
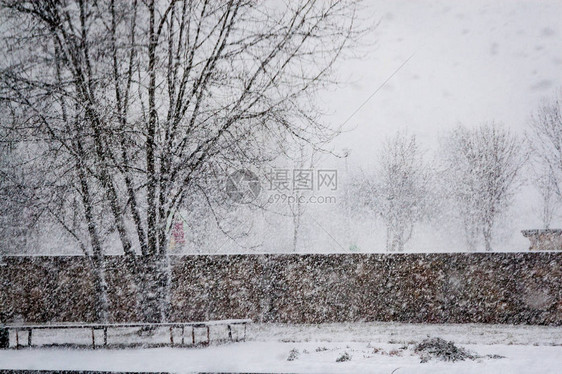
{"x": 377, "y": 90}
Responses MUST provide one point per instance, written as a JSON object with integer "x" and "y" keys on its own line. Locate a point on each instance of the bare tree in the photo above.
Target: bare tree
{"x": 139, "y": 99}
{"x": 399, "y": 191}
{"x": 42, "y": 183}
{"x": 304, "y": 162}
{"x": 481, "y": 170}
{"x": 545, "y": 140}
{"x": 547, "y": 186}
{"x": 13, "y": 199}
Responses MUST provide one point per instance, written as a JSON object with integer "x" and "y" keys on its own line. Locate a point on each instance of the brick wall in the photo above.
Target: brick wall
{"x": 435, "y": 288}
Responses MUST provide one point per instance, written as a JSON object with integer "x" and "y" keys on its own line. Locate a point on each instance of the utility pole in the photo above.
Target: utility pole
{"x": 346, "y": 153}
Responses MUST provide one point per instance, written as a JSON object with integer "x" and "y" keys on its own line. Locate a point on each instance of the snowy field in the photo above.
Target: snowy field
{"x": 274, "y": 348}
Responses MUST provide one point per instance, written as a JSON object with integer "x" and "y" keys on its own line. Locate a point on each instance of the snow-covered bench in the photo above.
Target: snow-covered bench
{"x": 17, "y": 328}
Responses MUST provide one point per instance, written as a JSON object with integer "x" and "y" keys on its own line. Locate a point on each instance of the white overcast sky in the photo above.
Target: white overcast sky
{"x": 473, "y": 61}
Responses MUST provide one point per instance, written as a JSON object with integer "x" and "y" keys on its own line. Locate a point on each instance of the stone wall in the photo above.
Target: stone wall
{"x": 435, "y": 288}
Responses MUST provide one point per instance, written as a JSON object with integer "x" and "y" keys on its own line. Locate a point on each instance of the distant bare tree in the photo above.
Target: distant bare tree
{"x": 136, "y": 101}
{"x": 481, "y": 175}
{"x": 545, "y": 140}
{"x": 403, "y": 189}
{"x": 399, "y": 191}
{"x": 547, "y": 186}
{"x": 13, "y": 200}
{"x": 304, "y": 159}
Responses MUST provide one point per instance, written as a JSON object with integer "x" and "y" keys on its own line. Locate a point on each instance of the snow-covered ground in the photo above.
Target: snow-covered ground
{"x": 372, "y": 348}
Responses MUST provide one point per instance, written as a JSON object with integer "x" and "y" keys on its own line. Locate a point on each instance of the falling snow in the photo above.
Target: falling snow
{"x": 307, "y": 186}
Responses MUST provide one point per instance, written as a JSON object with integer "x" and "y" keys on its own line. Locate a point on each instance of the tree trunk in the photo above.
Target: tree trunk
{"x": 98, "y": 262}
{"x": 488, "y": 238}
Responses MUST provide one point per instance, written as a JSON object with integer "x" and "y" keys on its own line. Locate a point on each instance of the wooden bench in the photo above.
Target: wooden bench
{"x": 106, "y": 326}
